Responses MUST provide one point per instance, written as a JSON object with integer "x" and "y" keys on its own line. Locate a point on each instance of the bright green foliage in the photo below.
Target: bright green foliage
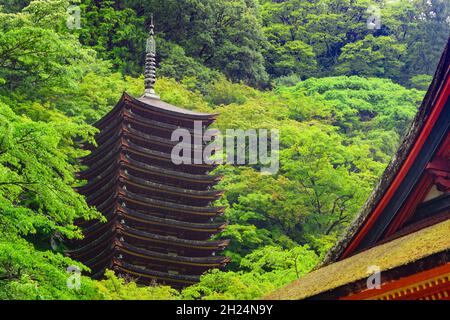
{"x": 36, "y": 176}
{"x": 331, "y": 37}
{"x": 37, "y": 203}
{"x": 29, "y": 274}
{"x": 359, "y": 105}
{"x": 42, "y": 65}
{"x": 372, "y": 56}
{"x": 264, "y": 270}
{"x": 114, "y": 288}
{"x": 223, "y": 92}
{"x": 336, "y": 133}
{"x": 336, "y": 136}
{"x": 291, "y": 264}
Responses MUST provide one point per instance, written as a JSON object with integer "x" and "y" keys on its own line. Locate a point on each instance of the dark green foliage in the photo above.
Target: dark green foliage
{"x": 222, "y": 35}
{"x": 252, "y": 41}
{"x": 115, "y": 32}
{"x": 329, "y": 37}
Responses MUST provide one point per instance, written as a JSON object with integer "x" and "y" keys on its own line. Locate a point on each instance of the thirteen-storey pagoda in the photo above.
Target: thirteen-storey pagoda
{"x": 159, "y": 215}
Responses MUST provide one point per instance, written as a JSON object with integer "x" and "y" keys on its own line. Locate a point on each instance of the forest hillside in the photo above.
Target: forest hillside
{"x": 341, "y": 94}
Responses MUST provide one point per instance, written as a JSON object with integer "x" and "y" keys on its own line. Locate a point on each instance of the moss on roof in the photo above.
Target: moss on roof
{"x": 399, "y": 252}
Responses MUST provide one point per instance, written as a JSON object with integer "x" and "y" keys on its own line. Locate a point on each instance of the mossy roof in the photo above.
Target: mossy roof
{"x": 399, "y": 252}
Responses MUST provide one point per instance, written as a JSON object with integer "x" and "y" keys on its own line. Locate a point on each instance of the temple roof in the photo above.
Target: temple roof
{"x": 132, "y": 117}
{"x": 213, "y": 194}
{"x": 396, "y": 164}
{"x": 147, "y": 220}
{"x": 122, "y": 136}
{"x": 399, "y": 252}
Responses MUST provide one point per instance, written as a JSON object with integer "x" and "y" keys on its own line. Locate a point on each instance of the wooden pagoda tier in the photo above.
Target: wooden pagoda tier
{"x": 159, "y": 215}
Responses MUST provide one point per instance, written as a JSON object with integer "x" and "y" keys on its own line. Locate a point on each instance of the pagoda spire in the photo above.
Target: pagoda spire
{"x": 150, "y": 64}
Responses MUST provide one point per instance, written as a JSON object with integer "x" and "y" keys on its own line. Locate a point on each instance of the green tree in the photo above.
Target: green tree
{"x": 372, "y": 56}
{"x": 115, "y": 32}
{"x": 265, "y": 270}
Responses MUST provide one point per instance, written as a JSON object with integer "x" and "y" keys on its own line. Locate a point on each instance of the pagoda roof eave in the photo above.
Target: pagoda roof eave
{"x": 127, "y": 162}
{"x": 177, "y": 174}
{"x": 95, "y": 183}
{"x": 92, "y": 244}
{"x": 166, "y": 157}
{"x": 125, "y": 146}
{"x": 154, "y": 275}
{"x": 207, "y": 194}
{"x": 160, "y": 106}
{"x": 98, "y": 153}
{"x": 214, "y": 261}
{"x": 129, "y": 179}
{"x": 210, "y": 228}
{"x": 128, "y": 133}
{"x": 151, "y": 124}
{"x": 196, "y": 244}
{"x": 205, "y": 227}
{"x": 132, "y": 197}
{"x": 121, "y": 140}
{"x": 98, "y": 227}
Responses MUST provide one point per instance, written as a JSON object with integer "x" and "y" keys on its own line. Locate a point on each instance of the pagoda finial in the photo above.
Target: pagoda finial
{"x": 150, "y": 64}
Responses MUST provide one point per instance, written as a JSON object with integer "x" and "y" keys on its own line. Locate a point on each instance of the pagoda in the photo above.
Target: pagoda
{"x": 160, "y": 220}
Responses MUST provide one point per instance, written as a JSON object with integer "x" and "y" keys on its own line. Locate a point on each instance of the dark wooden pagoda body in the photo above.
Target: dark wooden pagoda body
{"x": 159, "y": 215}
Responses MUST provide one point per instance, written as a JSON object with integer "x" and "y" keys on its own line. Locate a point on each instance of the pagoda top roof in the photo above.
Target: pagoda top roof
{"x": 168, "y": 108}
{"x": 156, "y": 106}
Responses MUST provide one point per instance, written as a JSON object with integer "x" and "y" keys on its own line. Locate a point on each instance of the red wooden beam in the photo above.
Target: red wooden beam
{"x": 422, "y": 285}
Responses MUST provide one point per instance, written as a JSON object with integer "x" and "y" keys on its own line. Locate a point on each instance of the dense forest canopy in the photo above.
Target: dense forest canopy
{"x": 259, "y": 41}
{"x": 341, "y": 94}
